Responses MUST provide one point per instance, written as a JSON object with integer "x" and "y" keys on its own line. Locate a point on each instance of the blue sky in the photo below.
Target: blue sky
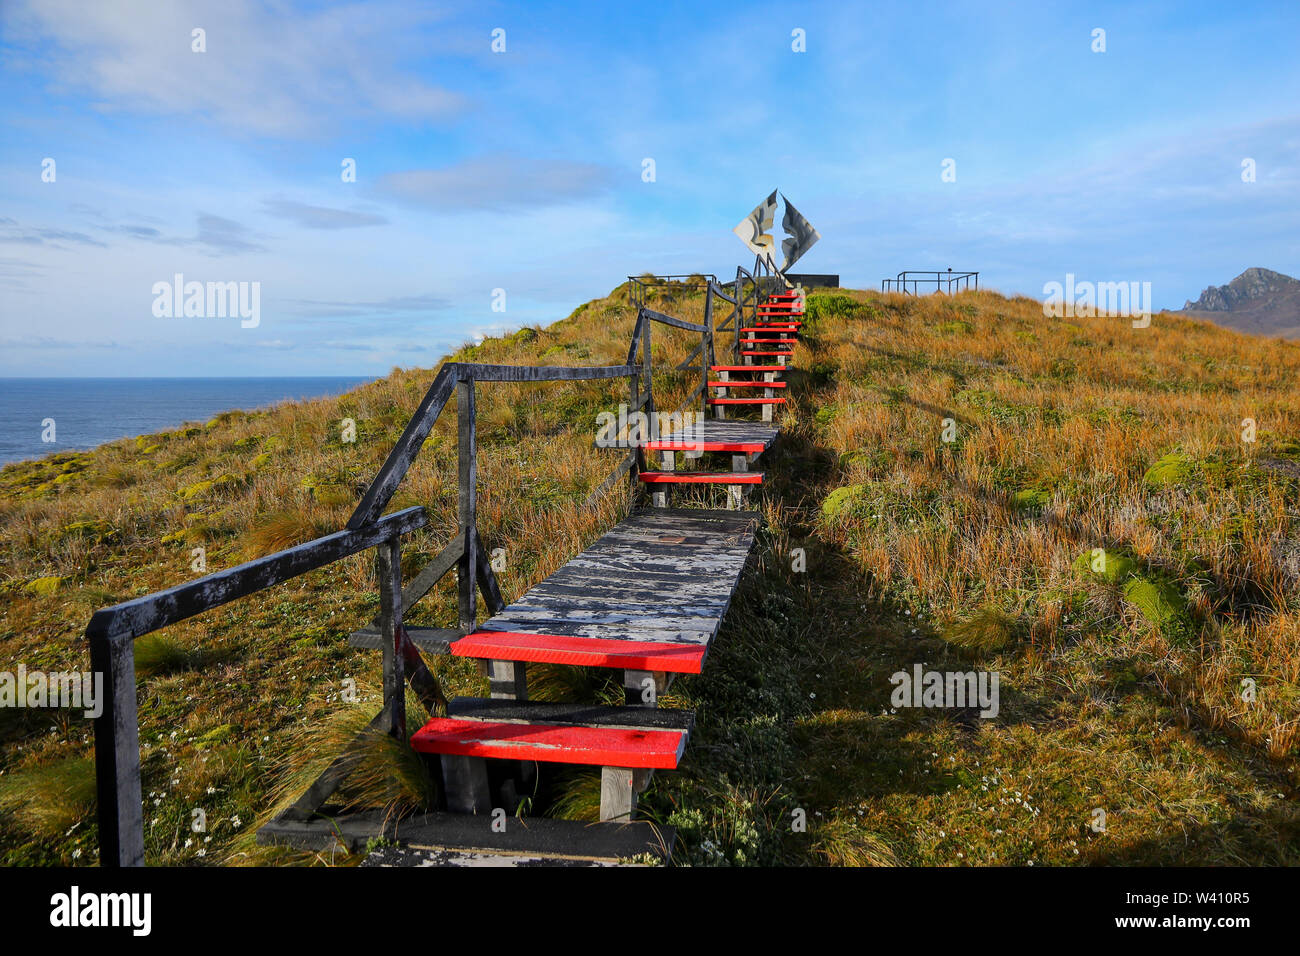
{"x": 522, "y": 170}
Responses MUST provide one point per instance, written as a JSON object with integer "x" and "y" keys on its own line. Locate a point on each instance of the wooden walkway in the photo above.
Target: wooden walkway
{"x": 650, "y": 594}
{"x": 646, "y": 600}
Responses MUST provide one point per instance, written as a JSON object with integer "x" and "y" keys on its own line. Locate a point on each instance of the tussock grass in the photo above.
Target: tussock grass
{"x": 988, "y": 629}
{"x": 577, "y": 796}
{"x": 48, "y": 799}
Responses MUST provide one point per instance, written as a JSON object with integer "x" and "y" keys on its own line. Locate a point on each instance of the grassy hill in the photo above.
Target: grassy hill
{"x": 1121, "y": 679}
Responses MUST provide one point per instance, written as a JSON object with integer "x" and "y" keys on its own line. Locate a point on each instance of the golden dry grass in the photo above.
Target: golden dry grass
{"x": 1058, "y": 423}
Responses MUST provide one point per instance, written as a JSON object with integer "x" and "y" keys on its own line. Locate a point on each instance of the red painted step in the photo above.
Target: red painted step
{"x": 736, "y": 447}
{"x": 747, "y": 401}
{"x": 769, "y": 342}
{"x": 703, "y": 477}
{"x": 597, "y": 746}
{"x": 582, "y": 651}
{"x": 749, "y": 368}
{"x": 744, "y": 384}
{"x": 743, "y": 352}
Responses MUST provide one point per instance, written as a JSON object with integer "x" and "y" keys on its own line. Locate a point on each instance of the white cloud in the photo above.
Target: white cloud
{"x": 499, "y": 182}
{"x": 266, "y": 72}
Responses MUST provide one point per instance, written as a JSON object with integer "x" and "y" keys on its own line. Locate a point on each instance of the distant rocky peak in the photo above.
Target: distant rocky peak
{"x": 1243, "y": 291}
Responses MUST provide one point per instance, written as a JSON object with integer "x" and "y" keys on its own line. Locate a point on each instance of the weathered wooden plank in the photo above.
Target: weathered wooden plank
{"x": 467, "y": 464}
{"x": 530, "y": 616}
{"x": 408, "y": 858}
{"x": 618, "y": 795}
{"x": 465, "y": 783}
{"x": 671, "y": 320}
{"x": 683, "y": 605}
{"x": 388, "y": 570}
{"x": 470, "y": 371}
{"x": 667, "y": 536}
{"x": 662, "y": 558}
{"x": 117, "y": 755}
{"x": 544, "y": 836}
{"x": 487, "y": 579}
{"x": 629, "y": 634}
{"x": 507, "y": 680}
{"x": 333, "y": 776}
{"x": 619, "y": 595}
{"x": 671, "y": 569}
{"x": 433, "y": 640}
{"x": 148, "y": 613}
{"x": 408, "y": 446}
{"x": 694, "y": 353}
{"x": 717, "y": 290}
{"x": 622, "y": 469}
{"x": 668, "y": 542}
{"x": 433, "y": 572}
{"x": 575, "y": 581}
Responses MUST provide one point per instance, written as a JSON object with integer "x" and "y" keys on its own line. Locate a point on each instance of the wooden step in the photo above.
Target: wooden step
{"x": 735, "y": 447}
{"x": 753, "y": 353}
{"x": 552, "y": 743}
{"x": 581, "y": 651}
{"x": 497, "y": 710}
{"x": 526, "y": 839}
{"x": 749, "y": 368}
{"x": 747, "y": 401}
{"x": 707, "y": 477}
{"x": 400, "y": 856}
{"x": 746, "y": 384}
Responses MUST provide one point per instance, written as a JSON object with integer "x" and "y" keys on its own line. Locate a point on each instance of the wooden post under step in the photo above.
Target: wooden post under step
{"x": 736, "y": 493}
{"x": 619, "y": 787}
{"x": 508, "y": 680}
{"x": 465, "y": 780}
{"x": 668, "y": 461}
{"x": 720, "y": 411}
{"x": 644, "y": 688}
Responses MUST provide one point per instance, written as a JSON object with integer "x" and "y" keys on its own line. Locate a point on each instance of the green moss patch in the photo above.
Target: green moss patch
{"x": 1171, "y": 470}
{"x": 839, "y": 501}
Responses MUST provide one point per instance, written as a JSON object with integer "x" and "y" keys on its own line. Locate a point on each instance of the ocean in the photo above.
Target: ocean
{"x": 90, "y": 411}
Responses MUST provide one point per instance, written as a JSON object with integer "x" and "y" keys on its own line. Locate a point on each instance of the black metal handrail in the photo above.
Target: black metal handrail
{"x": 910, "y": 281}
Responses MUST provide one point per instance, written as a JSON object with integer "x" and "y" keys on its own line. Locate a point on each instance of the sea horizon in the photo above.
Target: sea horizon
{"x": 89, "y": 411}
